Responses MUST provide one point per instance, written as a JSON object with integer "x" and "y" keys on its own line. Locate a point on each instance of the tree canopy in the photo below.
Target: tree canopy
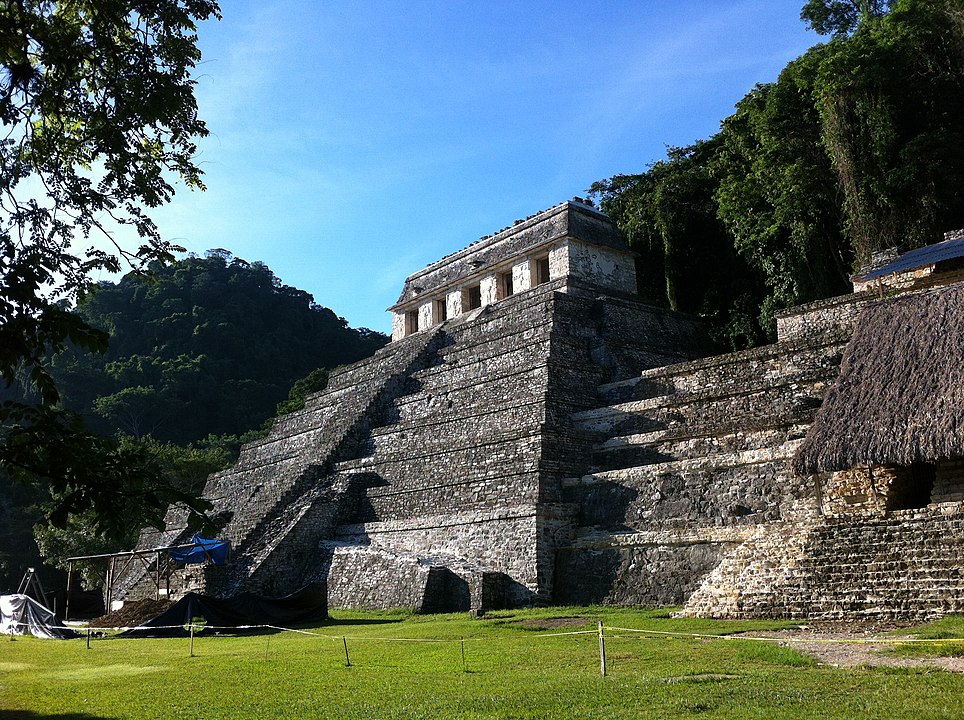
{"x": 99, "y": 120}
{"x": 840, "y": 17}
{"x": 858, "y": 146}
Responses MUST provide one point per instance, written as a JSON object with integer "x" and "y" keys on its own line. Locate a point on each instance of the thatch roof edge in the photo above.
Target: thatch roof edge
{"x": 899, "y": 398}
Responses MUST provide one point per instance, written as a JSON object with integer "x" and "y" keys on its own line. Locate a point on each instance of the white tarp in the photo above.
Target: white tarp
{"x": 22, "y": 615}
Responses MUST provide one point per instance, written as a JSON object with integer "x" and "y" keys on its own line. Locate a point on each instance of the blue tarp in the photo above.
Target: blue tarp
{"x": 204, "y": 550}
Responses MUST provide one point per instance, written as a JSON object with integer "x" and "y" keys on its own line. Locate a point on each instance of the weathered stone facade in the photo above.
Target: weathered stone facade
{"x": 535, "y": 434}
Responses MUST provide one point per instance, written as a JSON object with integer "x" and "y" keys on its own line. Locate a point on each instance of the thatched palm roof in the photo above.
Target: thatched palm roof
{"x": 899, "y": 398}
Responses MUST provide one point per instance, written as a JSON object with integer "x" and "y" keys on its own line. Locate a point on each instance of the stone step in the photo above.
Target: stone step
{"x": 639, "y": 449}
{"x": 723, "y": 373}
{"x": 843, "y": 566}
{"x": 719, "y": 461}
{"x": 734, "y": 488}
{"x": 447, "y": 430}
{"x": 743, "y": 582}
{"x": 433, "y": 404}
{"x": 705, "y": 413}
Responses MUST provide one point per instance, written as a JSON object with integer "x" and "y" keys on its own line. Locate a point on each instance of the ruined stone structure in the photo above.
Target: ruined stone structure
{"x": 535, "y": 434}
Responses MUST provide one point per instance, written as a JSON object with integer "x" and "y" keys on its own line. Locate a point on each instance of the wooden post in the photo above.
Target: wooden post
{"x": 88, "y": 638}
{"x": 602, "y": 650}
{"x": 192, "y": 639}
{"x": 70, "y": 576}
{"x": 347, "y": 659}
{"x": 464, "y": 669}
{"x": 110, "y": 585}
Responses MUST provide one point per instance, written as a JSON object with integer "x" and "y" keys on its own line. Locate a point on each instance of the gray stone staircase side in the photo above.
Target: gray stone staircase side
{"x": 292, "y": 432}
{"x": 264, "y": 487}
{"x": 769, "y": 364}
{"x": 908, "y": 565}
{"x": 726, "y": 490}
{"x": 742, "y": 584}
{"x": 280, "y": 512}
{"x": 715, "y": 406}
{"x": 687, "y": 416}
{"x": 624, "y": 451}
{"x": 289, "y": 547}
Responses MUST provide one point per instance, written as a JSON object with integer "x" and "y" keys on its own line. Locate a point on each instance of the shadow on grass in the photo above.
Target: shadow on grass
{"x": 357, "y": 621}
{"x": 28, "y": 715}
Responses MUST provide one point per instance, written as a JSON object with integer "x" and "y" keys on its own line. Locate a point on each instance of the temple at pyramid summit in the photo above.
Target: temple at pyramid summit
{"x": 535, "y": 434}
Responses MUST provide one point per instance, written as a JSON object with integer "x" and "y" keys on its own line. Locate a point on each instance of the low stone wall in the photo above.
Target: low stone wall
{"x": 502, "y": 541}
{"x": 714, "y": 491}
{"x": 650, "y": 575}
{"x": 833, "y": 315}
{"x": 362, "y": 577}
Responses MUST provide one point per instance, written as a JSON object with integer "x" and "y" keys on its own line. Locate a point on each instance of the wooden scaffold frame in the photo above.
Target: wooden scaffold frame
{"x": 156, "y": 561}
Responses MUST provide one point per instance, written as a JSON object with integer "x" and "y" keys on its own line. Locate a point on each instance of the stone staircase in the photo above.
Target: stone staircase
{"x": 742, "y": 585}
{"x": 703, "y": 439}
{"x": 689, "y": 460}
{"x": 279, "y": 491}
{"x": 908, "y": 564}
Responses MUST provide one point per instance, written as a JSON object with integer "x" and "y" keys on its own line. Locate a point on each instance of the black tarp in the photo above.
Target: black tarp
{"x": 307, "y": 605}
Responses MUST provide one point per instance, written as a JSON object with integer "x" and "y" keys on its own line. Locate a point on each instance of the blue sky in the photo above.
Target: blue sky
{"x": 352, "y": 143}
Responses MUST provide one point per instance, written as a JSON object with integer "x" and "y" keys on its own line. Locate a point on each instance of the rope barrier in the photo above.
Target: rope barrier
{"x": 94, "y": 631}
{"x": 600, "y": 632}
{"x": 762, "y": 638}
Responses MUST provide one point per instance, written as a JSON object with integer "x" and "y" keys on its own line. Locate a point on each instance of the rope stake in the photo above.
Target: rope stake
{"x": 602, "y": 650}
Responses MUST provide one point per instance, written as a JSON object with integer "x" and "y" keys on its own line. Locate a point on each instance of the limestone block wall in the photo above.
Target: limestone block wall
{"x": 854, "y": 492}
{"x": 606, "y": 267}
{"x": 833, "y": 315}
{"x": 451, "y": 466}
{"x": 500, "y": 541}
{"x": 362, "y": 577}
{"x": 522, "y": 276}
{"x": 909, "y": 564}
{"x": 657, "y": 570}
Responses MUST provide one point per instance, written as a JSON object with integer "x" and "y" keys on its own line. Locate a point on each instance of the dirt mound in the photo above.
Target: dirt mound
{"x": 132, "y": 614}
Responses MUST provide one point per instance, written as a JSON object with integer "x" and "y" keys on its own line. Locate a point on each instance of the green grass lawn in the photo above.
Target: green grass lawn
{"x": 512, "y": 670}
{"x": 949, "y": 628}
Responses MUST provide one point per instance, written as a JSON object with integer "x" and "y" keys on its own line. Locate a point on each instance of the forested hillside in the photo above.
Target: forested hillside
{"x": 202, "y": 353}
{"x": 205, "y": 346}
{"x": 858, "y": 146}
